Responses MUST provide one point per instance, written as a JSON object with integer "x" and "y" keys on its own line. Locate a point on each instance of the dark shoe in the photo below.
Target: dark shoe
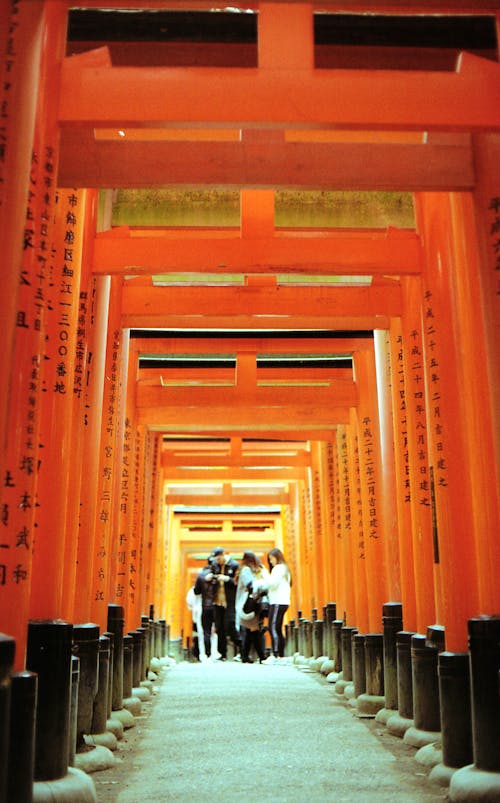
{"x": 247, "y": 661}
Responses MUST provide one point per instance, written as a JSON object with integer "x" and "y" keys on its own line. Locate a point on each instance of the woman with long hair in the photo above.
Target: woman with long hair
{"x": 280, "y": 583}
{"x": 253, "y": 578}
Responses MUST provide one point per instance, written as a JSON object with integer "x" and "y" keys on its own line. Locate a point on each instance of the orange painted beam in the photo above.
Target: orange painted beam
{"x": 263, "y": 345}
{"x": 271, "y": 461}
{"x": 465, "y": 100}
{"x": 248, "y": 322}
{"x": 272, "y": 474}
{"x": 85, "y": 160}
{"x": 156, "y": 303}
{"x": 242, "y": 420}
{"x": 342, "y": 393}
{"x": 352, "y": 254}
{"x": 201, "y": 376}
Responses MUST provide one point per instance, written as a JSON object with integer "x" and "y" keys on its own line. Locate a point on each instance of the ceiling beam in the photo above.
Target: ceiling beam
{"x": 465, "y": 100}
{"x": 353, "y": 253}
{"x": 253, "y": 422}
{"x": 153, "y": 306}
{"x": 219, "y": 344}
{"x": 87, "y": 162}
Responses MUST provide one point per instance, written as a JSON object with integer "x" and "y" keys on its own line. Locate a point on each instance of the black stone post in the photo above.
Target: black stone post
{"x": 454, "y": 701}
{"x": 374, "y": 664}
{"x": 317, "y": 638}
{"x": 302, "y": 648}
{"x": 49, "y": 655}
{"x": 358, "y": 663}
{"x": 347, "y": 634}
{"x": 307, "y": 638}
{"x": 7, "y": 654}
{"x": 143, "y": 647}
{"x": 100, "y": 708}
{"x": 392, "y": 620}
{"x": 314, "y": 614}
{"x": 163, "y": 636}
{"x": 296, "y": 637}
{"x": 22, "y": 737}
{"x": 115, "y": 625}
{"x": 136, "y": 662}
{"x": 330, "y": 612}
{"x": 337, "y": 626}
{"x": 405, "y": 685}
{"x": 73, "y": 711}
{"x": 424, "y": 657}
{"x": 484, "y": 647}
{"x": 86, "y": 647}
{"x": 111, "y": 636}
{"x": 128, "y": 665}
{"x": 146, "y": 624}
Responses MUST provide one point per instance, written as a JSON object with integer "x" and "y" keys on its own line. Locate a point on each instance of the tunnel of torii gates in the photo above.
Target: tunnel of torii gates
{"x": 353, "y": 423}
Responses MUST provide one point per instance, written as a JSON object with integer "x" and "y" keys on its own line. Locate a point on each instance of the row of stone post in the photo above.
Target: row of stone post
{"x": 445, "y": 704}
{"x": 79, "y": 691}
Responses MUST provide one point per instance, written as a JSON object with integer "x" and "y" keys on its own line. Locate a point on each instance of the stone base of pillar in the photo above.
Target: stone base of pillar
{"x": 418, "y": 738}
{"x": 332, "y": 677}
{"x": 106, "y": 739}
{"x": 471, "y": 785}
{"x": 155, "y": 665}
{"x": 76, "y": 786}
{"x": 341, "y": 684}
{"x": 398, "y": 725}
{"x": 96, "y": 760}
{"x": 125, "y": 717}
{"x": 327, "y": 667}
{"x": 146, "y": 684}
{"x": 429, "y": 755}
{"x": 349, "y": 692}
{"x": 368, "y": 705}
{"x": 319, "y": 661}
{"x": 133, "y": 704}
{"x": 383, "y": 715}
{"x": 441, "y": 775}
{"x": 141, "y": 692}
{"x": 115, "y": 727}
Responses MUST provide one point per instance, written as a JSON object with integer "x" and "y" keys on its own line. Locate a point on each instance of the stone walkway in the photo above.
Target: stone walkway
{"x": 230, "y": 731}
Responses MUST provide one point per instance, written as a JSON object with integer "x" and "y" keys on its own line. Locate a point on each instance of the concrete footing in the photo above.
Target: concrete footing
{"x": 141, "y": 692}
{"x": 398, "y": 725}
{"x": 429, "y": 755}
{"x": 125, "y": 717}
{"x": 418, "y": 738}
{"x": 133, "y": 704}
{"x": 441, "y": 775}
{"x": 368, "y": 705}
{"x": 471, "y": 785}
{"x": 106, "y": 739}
{"x": 115, "y": 727}
{"x": 75, "y": 787}
{"x": 95, "y": 760}
{"x": 349, "y": 691}
{"x": 384, "y": 714}
{"x": 327, "y": 667}
{"x": 332, "y": 677}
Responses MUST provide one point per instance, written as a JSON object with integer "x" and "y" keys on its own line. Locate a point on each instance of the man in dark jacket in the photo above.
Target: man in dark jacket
{"x": 206, "y": 585}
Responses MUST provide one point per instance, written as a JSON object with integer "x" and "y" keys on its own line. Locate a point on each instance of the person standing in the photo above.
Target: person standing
{"x": 206, "y": 587}
{"x": 253, "y": 578}
{"x": 225, "y": 590}
{"x": 279, "y": 591}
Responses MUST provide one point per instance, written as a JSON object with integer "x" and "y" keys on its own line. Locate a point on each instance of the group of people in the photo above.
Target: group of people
{"x": 233, "y": 600}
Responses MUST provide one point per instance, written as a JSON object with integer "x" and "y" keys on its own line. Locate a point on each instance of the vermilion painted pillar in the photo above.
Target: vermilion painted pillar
{"x": 78, "y": 387}
{"x": 126, "y": 475}
{"x": 424, "y": 536}
{"x": 135, "y": 556}
{"x": 318, "y": 523}
{"x": 355, "y": 524}
{"x": 390, "y": 509}
{"x": 329, "y": 492}
{"x": 346, "y": 595}
{"x": 96, "y": 316}
{"x": 402, "y": 468}
{"x": 449, "y": 431}
{"x": 23, "y": 28}
{"x": 372, "y": 484}
{"x": 108, "y": 459}
{"x": 57, "y": 406}
{"x": 285, "y": 36}
{"x": 486, "y": 201}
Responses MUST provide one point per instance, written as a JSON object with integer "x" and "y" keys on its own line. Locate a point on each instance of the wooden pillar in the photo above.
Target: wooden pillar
{"x": 330, "y": 506}
{"x": 371, "y": 484}
{"x": 354, "y": 522}
{"x": 135, "y": 554}
{"x": 24, "y": 26}
{"x": 486, "y": 202}
{"x": 402, "y": 469}
{"x": 96, "y": 312}
{"x": 346, "y": 597}
{"x": 89, "y": 212}
{"x": 425, "y": 548}
{"x": 105, "y": 512}
{"x": 285, "y": 36}
{"x": 389, "y": 490}
{"x": 57, "y": 406}
{"x": 318, "y": 524}
{"x": 449, "y": 430}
